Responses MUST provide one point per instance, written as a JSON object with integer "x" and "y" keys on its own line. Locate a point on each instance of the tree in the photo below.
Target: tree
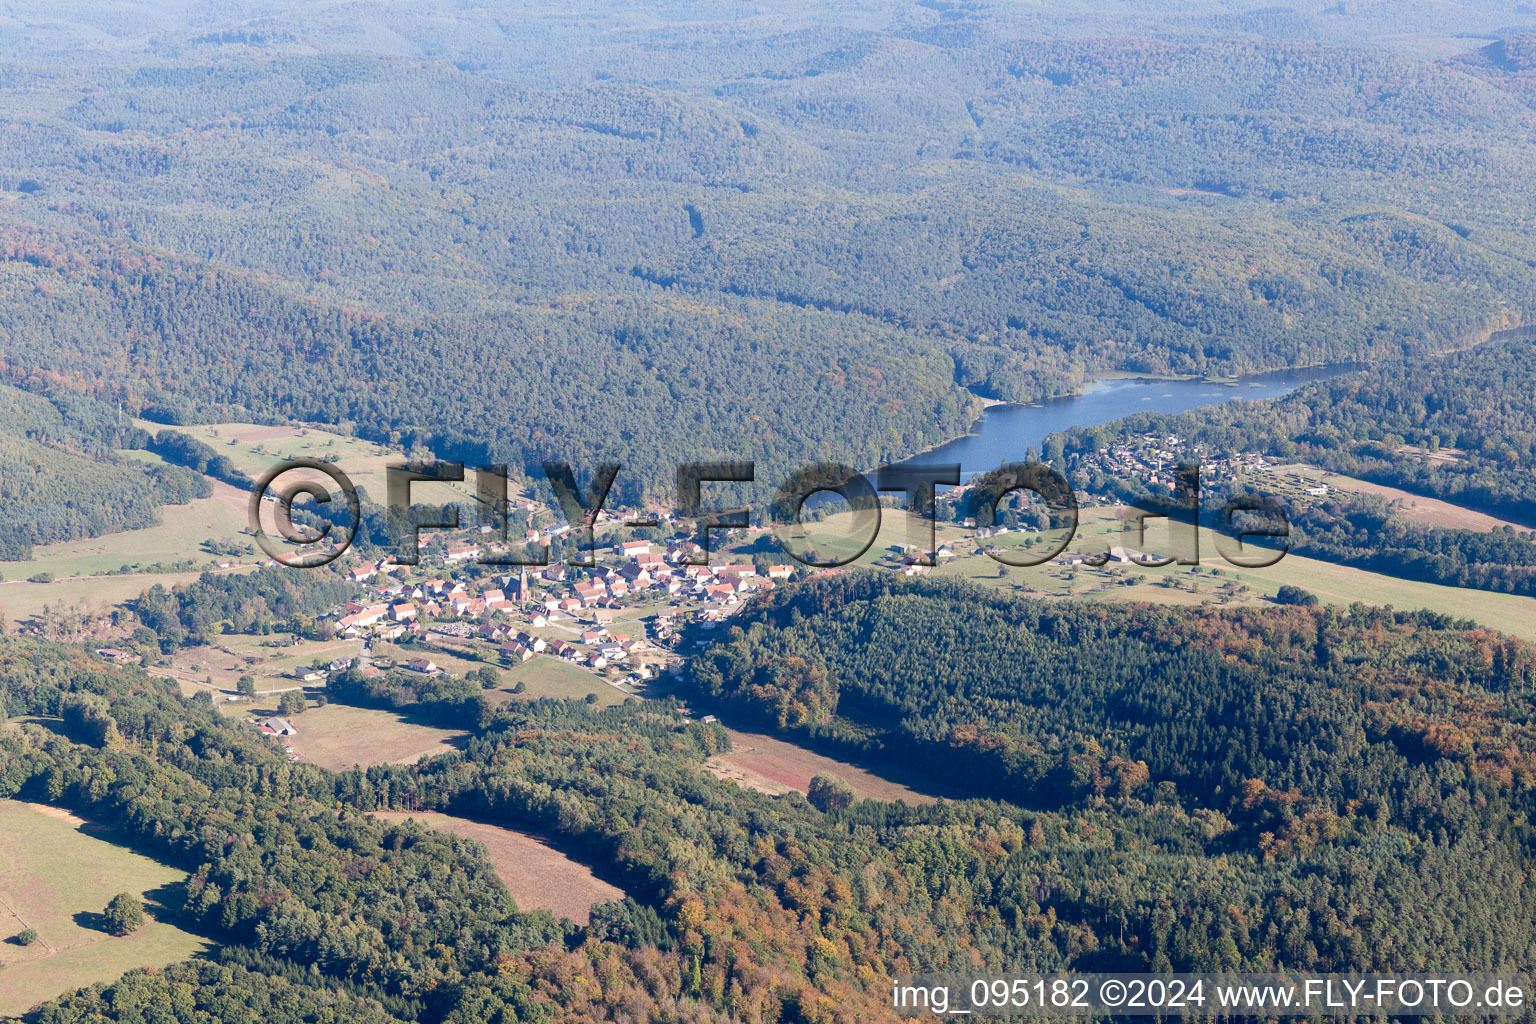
{"x": 489, "y": 678}
{"x": 246, "y": 686}
{"x": 125, "y": 914}
{"x": 1289, "y": 594}
{"x": 292, "y": 703}
{"x": 829, "y": 793}
{"x": 27, "y": 937}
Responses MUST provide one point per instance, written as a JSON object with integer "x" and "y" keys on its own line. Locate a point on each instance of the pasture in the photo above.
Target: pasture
{"x": 1333, "y": 584}
{"x": 56, "y": 876}
{"x": 23, "y": 600}
{"x": 548, "y": 676}
{"x": 339, "y": 736}
{"x": 178, "y": 537}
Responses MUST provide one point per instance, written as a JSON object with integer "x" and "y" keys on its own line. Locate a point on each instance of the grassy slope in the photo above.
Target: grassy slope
{"x": 1333, "y": 584}
{"x": 53, "y": 877}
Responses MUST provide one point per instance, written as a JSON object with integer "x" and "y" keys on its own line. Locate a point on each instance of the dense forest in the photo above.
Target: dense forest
{"x": 1376, "y": 760}
{"x": 1046, "y": 703}
{"x": 253, "y": 602}
{"x": 813, "y": 235}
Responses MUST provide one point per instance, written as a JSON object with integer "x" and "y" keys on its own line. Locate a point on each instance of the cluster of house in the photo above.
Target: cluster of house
{"x": 116, "y": 656}
{"x": 1154, "y": 457}
{"x": 597, "y": 649}
{"x": 401, "y": 606}
{"x": 914, "y": 559}
{"x": 279, "y": 727}
{"x": 505, "y": 609}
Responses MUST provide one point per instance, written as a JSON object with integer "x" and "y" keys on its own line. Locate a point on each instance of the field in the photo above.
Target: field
{"x": 1215, "y": 582}
{"x": 774, "y": 766}
{"x": 1432, "y": 511}
{"x": 270, "y": 660}
{"x": 256, "y": 448}
{"x": 55, "y": 877}
{"x": 546, "y": 676}
{"x": 23, "y": 600}
{"x": 179, "y": 536}
{"x": 543, "y": 676}
{"x": 338, "y": 737}
{"x": 538, "y": 876}
{"x": 445, "y": 659}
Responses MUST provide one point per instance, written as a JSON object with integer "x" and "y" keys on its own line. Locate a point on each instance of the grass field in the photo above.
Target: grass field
{"x": 446, "y": 660}
{"x": 774, "y": 766}
{"x": 338, "y": 736}
{"x": 1099, "y": 528}
{"x": 543, "y": 676}
{"x": 179, "y": 536}
{"x": 546, "y": 676}
{"x": 22, "y": 600}
{"x": 55, "y": 877}
{"x": 538, "y": 876}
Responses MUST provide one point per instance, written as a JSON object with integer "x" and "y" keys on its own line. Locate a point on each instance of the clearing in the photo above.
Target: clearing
{"x": 1431, "y": 511}
{"x": 56, "y": 876}
{"x": 774, "y": 766}
{"x": 339, "y": 736}
{"x": 538, "y": 876}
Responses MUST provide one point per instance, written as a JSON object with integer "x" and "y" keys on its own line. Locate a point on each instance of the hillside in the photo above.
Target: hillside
{"x": 748, "y": 238}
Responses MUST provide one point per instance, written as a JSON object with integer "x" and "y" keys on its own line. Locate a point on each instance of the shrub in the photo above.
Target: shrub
{"x": 1295, "y": 595}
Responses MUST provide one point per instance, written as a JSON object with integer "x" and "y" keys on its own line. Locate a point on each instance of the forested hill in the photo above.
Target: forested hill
{"x": 750, "y": 909}
{"x": 797, "y": 234}
{"x": 1274, "y": 717}
{"x": 62, "y": 478}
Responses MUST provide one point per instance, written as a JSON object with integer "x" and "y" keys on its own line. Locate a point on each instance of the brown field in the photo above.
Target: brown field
{"x": 338, "y": 736}
{"x": 773, "y": 766}
{"x": 538, "y": 876}
{"x": 1432, "y": 511}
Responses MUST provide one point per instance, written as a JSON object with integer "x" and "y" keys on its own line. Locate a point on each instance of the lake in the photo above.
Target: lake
{"x": 1006, "y": 432}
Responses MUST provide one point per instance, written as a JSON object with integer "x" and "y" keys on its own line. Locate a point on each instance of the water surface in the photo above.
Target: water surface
{"x": 1005, "y": 433}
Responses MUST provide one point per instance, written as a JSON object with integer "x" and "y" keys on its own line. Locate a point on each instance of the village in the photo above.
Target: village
{"x": 619, "y": 622}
